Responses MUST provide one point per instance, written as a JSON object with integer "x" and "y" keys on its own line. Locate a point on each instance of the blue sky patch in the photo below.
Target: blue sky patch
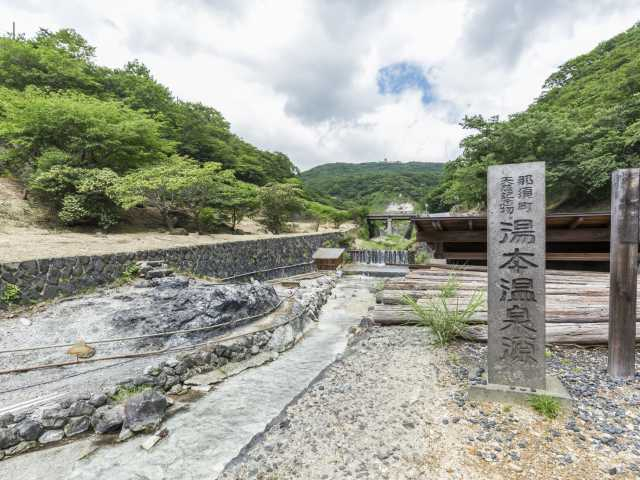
{"x": 396, "y": 78}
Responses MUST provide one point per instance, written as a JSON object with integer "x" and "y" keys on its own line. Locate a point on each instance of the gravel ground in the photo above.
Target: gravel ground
{"x": 395, "y": 407}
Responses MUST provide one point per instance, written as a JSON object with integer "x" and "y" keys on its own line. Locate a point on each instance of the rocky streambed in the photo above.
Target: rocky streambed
{"x": 127, "y": 395}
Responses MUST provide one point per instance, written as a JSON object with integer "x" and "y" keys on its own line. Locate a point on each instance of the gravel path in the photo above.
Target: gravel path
{"x": 396, "y": 408}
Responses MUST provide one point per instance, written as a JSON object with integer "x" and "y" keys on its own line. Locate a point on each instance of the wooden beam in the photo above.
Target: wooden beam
{"x": 625, "y": 215}
{"x": 557, "y": 256}
{"x": 578, "y": 221}
{"x": 563, "y": 235}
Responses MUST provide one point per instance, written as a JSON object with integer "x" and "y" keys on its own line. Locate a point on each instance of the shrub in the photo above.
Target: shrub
{"x": 545, "y": 405}
{"x": 445, "y": 320}
{"x": 209, "y": 218}
{"x": 422, "y": 257}
{"x": 10, "y": 294}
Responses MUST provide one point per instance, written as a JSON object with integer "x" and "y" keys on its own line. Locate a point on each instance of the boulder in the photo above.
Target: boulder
{"x": 77, "y": 425}
{"x": 29, "y": 430}
{"x": 108, "y": 418}
{"x": 51, "y": 436}
{"x": 145, "y": 410}
{"x": 8, "y": 437}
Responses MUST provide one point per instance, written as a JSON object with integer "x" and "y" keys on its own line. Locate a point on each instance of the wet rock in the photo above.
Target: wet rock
{"x": 6, "y": 419}
{"x": 51, "y": 436}
{"x": 145, "y": 410}
{"x": 8, "y": 437}
{"x": 108, "y": 418}
{"x": 81, "y": 408}
{"x": 29, "y": 430}
{"x": 54, "y": 417}
{"x": 98, "y": 399}
{"x": 77, "y": 425}
{"x": 20, "y": 448}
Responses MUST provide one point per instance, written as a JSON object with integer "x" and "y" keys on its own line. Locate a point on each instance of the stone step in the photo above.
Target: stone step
{"x": 158, "y": 273}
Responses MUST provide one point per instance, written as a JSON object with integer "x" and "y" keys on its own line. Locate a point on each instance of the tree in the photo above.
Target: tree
{"x": 92, "y": 133}
{"x": 78, "y": 195}
{"x": 238, "y": 200}
{"x": 583, "y": 126}
{"x": 278, "y": 202}
{"x": 178, "y": 185}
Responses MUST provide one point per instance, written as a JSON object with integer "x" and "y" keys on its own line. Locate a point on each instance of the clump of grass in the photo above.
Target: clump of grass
{"x": 545, "y": 405}
{"x": 130, "y": 272}
{"x": 450, "y": 288}
{"x": 125, "y": 392}
{"x": 10, "y": 294}
{"x": 378, "y": 286}
{"x": 447, "y": 319}
{"x": 422, "y": 257}
{"x": 548, "y": 353}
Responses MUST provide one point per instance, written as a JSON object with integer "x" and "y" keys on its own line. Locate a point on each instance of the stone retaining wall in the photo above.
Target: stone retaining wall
{"x": 47, "y": 278}
{"x": 96, "y": 411}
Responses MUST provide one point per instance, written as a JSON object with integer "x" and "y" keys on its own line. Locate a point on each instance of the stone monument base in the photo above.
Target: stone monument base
{"x": 493, "y": 392}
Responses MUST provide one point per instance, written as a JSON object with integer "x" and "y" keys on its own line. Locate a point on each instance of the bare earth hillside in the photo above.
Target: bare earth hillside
{"x": 24, "y": 233}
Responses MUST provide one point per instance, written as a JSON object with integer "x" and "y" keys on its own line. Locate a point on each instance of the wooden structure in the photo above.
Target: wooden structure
{"x": 577, "y": 303}
{"x": 572, "y": 237}
{"x": 328, "y": 258}
{"x": 625, "y": 208}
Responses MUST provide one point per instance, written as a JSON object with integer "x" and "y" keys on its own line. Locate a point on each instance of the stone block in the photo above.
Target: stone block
{"x": 520, "y": 395}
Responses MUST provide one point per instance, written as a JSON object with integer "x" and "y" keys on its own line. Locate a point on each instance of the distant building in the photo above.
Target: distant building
{"x": 406, "y": 207}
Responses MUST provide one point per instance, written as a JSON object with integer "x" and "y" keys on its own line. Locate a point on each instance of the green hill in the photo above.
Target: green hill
{"x": 373, "y": 184}
{"x": 584, "y": 125}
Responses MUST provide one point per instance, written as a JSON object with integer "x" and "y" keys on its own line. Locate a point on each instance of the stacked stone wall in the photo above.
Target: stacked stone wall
{"x": 46, "y": 278}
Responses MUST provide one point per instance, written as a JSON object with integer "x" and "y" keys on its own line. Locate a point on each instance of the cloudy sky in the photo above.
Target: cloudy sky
{"x": 341, "y": 80}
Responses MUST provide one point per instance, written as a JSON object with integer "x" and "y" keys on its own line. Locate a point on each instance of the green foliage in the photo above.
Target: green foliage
{"x": 278, "y": 202}
{"x": 78, "y": 195}
{"x": 388, "y": 242}
{"x": 123, "y": 393}
{"x": 176, "y": 186}
{"x": 545, "y": 405}
{"x": 422, "y": 257}
{"x": 131, "y": 272}
{"x": 62, "y": 116}
{"x": 85, "y": 131}
{"x": 450, "y": 288}
{"x": 209, "y": 218}
{"x": 446, "y": 319}
{"x": 10, "y": 294}
{"x": 584, "y": 125}
{"x": 371, "y": 185}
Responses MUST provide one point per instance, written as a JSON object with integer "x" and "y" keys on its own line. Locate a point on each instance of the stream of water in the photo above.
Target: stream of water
{"x": 205, "y": 437}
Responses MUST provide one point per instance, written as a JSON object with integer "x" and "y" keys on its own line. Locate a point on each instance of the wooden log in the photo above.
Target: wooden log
{"x": 563, "y": 333}
{"x": 625, "y": 215}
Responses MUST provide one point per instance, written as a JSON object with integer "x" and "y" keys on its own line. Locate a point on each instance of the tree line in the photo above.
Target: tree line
{"x": 91, "y": 142}
{"x": 584, "y": 125}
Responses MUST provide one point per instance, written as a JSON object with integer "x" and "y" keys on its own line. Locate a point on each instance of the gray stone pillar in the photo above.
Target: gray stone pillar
{"x": 516, "y": 265}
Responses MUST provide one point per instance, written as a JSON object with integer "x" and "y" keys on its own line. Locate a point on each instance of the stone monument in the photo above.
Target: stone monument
{"x": 516, "y": 291}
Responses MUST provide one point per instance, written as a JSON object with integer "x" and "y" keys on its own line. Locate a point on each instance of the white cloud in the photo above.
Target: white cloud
{"x": 300, "y": 76}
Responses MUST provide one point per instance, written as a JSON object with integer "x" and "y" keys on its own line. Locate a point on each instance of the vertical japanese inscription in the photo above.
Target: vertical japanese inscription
{"x": 516, "y": 263}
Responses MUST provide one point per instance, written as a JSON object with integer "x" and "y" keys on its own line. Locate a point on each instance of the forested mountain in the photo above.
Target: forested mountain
{"x": 91, "y": 141}
{"x": 373, "y": 184}
{"x": 584, "y": 124}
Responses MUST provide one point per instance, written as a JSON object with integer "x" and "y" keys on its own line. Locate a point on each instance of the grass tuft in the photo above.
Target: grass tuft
{"x": 446, "y": 319}
{"x": 545, "y": 405}
{"x": 125, "y": 392}
{"x": 10, "y": 294}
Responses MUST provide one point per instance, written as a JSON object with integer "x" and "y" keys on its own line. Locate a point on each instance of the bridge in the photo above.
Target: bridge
{"x": 388, "y": 217}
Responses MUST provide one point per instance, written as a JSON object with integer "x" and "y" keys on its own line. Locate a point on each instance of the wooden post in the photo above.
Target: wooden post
{"x": 623, "y": 277}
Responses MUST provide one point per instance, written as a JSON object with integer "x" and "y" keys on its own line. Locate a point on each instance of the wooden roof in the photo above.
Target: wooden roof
{"x": 439, "y": 222}
{"x": 328, "y": 253}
